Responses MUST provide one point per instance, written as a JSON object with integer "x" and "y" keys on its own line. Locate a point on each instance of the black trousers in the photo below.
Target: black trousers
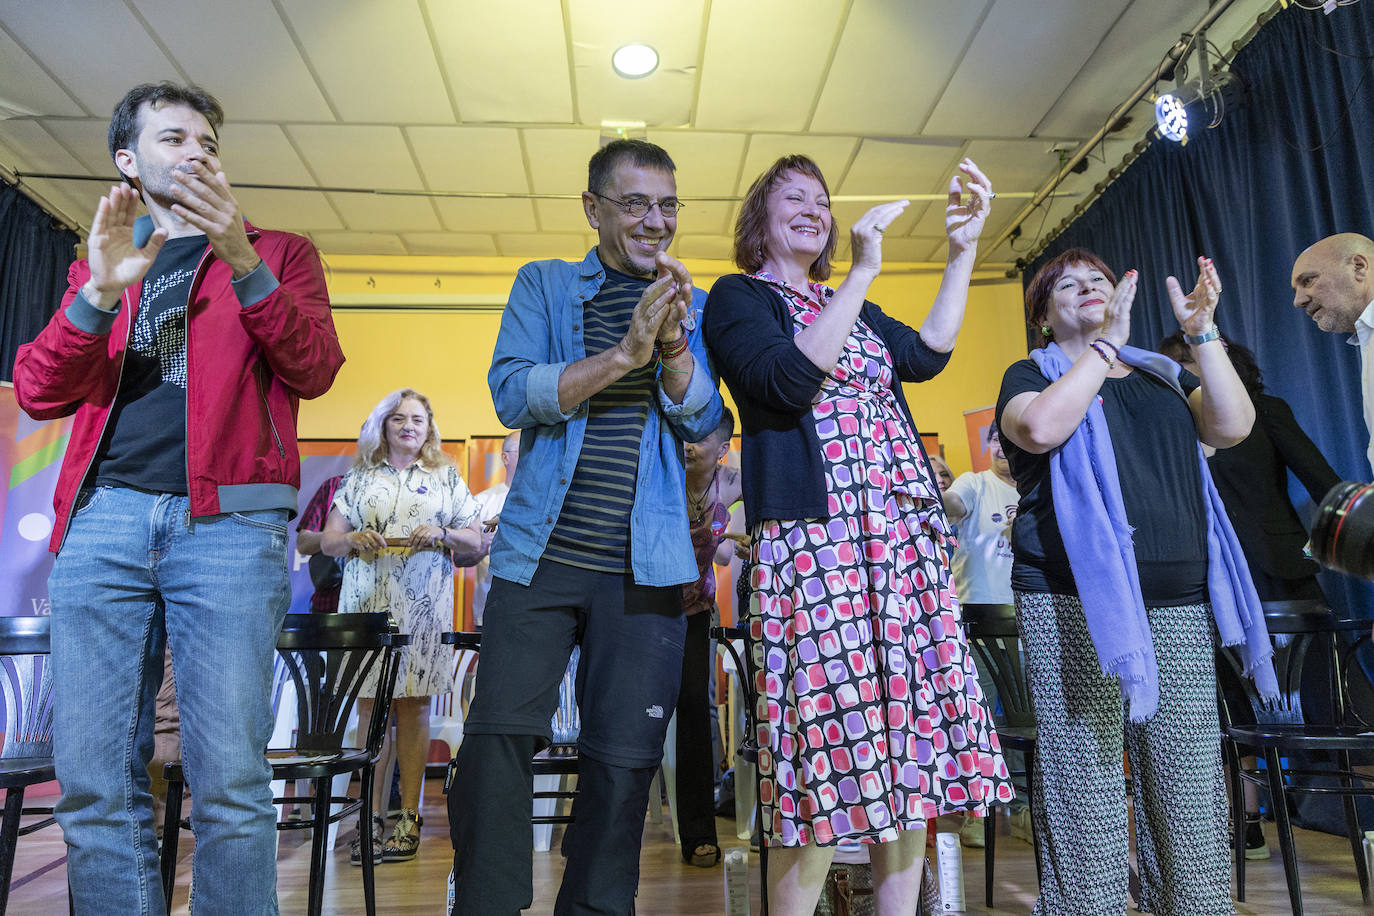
{"x": 627, "y": 684}
{"x": 696, "y": 803}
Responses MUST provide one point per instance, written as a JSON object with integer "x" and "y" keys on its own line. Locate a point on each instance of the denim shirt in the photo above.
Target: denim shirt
{"x": 541, "y": 334}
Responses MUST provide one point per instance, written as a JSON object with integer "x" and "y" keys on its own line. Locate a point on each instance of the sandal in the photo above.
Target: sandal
{"x": 404, "y": 844}
{"x": 703, "y": 855}
{"x": 355, "y": 849}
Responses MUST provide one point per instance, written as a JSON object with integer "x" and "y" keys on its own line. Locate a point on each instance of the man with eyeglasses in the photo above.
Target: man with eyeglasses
{"x": 600, "y": 364}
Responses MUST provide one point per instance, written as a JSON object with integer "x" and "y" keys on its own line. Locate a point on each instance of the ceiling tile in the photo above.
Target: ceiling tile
{"x": 220, "y": 66}
{"x": 475, "y": 214}
{"x": 566, "y": 245}
{"x": 1019, "y": 62}
{"x": 520, "y": 80}
{"x": 469, "y": 158}
{"x": 27, "y": 89}
{"x": 892, "y": 65}
{"x": 350, "y": 156}
{"x": 1014, "y": 165}
{"x": 561, "y": 215}
{"x": 450, "y": 244}
{"x": 295, "y": 210}
{"x": 40, "y": 151}
{"x": 260, "y": 154}
{"x": 706, "y": 217}
{"x": 385, "y": 212}
{"x": 558, "y": 158}
{"x": 374, "y": 59}
{"x": 832, "y": 154}
{"x": 846, "y": 214}
{"x": 664, "y": 97}
{"x": 357, "y": 243}
{"x": 898, "y": 168}
{"x": 764, "y": 62}
{"x": 707, "y": 163}
{"x": 99, "y": 50}
{"x": 87, "y": 140}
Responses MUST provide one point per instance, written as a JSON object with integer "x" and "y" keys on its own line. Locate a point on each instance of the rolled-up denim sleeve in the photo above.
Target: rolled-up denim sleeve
{"x": 524, "y": 384}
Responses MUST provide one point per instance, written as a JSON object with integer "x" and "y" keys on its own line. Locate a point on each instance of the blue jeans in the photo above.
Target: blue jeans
{"x": 135, "y": 572}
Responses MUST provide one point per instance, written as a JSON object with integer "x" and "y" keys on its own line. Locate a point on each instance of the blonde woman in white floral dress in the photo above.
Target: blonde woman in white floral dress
{"x": 403, "y": 489}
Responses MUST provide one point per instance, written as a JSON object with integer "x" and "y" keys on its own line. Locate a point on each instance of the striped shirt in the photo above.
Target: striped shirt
{"x": 593, "y": 529}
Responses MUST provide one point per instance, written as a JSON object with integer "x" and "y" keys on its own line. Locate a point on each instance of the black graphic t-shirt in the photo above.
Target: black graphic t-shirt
{"x": 145, "y": 439}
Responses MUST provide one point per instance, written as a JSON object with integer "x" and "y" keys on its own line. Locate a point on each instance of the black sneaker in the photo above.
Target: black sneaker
{"x": 1255, "y": 847}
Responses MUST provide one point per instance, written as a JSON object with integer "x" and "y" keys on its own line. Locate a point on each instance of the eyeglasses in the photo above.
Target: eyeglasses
{"x": 639, "y": 207}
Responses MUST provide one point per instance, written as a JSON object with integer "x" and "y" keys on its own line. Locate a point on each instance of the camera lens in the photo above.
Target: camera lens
{"x": 1343, "y": 534}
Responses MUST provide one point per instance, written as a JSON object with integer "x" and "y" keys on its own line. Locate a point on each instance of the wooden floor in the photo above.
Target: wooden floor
{"x": 667, "y": 887}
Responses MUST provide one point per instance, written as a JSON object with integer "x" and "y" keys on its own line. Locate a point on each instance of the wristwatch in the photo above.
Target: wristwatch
{"x": 1194, "y": 340}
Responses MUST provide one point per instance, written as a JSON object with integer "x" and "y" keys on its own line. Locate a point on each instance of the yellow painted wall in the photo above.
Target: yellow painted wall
{"x": 445, "y": 352}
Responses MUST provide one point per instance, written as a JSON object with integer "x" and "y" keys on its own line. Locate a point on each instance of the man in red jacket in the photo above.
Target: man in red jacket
{"x": 182, "y": 346}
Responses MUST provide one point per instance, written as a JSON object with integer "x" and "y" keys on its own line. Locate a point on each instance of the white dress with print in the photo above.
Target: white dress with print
{"x": 414, "y": 586}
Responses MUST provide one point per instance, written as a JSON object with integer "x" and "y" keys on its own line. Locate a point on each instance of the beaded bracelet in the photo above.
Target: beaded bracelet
{"x": 1103, "y": 340}
{"x": 1111, "y": 363}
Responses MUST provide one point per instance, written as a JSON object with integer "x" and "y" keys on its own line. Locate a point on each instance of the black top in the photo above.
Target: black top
{"x": 1156, "y": 448}
{"x": 593, "y": 529}
{"x": 145, "y": 438}
{"x": 748, "y": 330}
{"x": 1252, "y": 479}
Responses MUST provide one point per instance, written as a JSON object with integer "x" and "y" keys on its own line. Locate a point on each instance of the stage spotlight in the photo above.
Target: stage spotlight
{"x": 1171, "y": 117}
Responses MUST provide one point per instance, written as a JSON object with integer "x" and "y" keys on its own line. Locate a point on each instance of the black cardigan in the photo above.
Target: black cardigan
{"x": 748, "y": 330}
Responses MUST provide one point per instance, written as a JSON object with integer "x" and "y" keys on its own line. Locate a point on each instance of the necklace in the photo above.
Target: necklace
{"x": 696, "y": 505}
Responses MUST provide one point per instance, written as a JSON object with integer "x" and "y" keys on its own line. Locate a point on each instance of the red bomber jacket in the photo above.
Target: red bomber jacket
{"x": 253, "y": 349}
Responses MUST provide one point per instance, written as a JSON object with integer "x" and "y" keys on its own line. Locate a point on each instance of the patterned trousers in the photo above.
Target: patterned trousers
{"x": 1177, "y": 781}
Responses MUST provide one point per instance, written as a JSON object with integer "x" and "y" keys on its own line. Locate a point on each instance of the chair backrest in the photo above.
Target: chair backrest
{"x": 1300, "y": 631}
{"x": 996, "y": 644}
{"x": 26, "y": 680}
{"x": 328, "y": 657}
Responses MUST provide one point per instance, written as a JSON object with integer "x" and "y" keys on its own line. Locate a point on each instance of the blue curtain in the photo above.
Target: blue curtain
{"x": 1284, "y": 169}
{"x": 34, "y": 257}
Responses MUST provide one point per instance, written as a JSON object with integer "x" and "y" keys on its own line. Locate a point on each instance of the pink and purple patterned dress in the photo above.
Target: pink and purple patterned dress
{"x": 870, "y": 717}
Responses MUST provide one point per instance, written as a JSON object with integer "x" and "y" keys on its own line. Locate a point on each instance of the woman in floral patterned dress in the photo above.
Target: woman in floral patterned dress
{"x": 403, "y": 488}
{"x": 870, "y": 717}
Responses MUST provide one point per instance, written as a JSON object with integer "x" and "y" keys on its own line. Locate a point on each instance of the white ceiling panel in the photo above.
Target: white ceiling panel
{"x": 706, "y": 217}
{"x": 561, "y": 215}
{"x": 345, "y": 155}
{"x": 558, "y": 159}
{"x": 832, "y": 154}
{"x": 664, "y": 97}
{"x": 707, "y": 163}
{"x": 1013, "y": 165}
{"x": 764, "y": 62}
{"x": 26, "y": 88}
{"x": 374, "y": 59}
{"x": 260, "y": 154}
{"x": 566, "y": 245}
{"x": 524, "y": 80}
{"x": 450, "y": 244}
{"x": 475, "y": 214}
{"x": 221, "y": 67}
{"x": 893, "y": 63}
{"x": 385, "y": 212}
{"x": 358, "y": 243}
{"x": 469, "y": 158}
{"x": 1021, "y": 57}
{"x": 38, "y": 150}
{"x": 88, "y": 141}
{"x": 99, "y": 50}
{"x": 295, "y": 210}
{"x": 897, "y": 168}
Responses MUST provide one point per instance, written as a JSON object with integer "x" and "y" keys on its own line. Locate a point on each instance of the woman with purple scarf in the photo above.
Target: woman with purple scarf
{"x": 1126, "y": 573}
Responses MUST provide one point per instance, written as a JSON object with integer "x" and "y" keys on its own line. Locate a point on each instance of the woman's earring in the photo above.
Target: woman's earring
{"x": 1046, "y": 331}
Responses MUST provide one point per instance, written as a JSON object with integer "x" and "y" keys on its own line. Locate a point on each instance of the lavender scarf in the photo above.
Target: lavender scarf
{"x": 1098, "y": 541}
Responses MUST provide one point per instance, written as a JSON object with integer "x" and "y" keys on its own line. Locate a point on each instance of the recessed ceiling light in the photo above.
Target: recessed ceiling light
{"x": 634, "y": 61}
